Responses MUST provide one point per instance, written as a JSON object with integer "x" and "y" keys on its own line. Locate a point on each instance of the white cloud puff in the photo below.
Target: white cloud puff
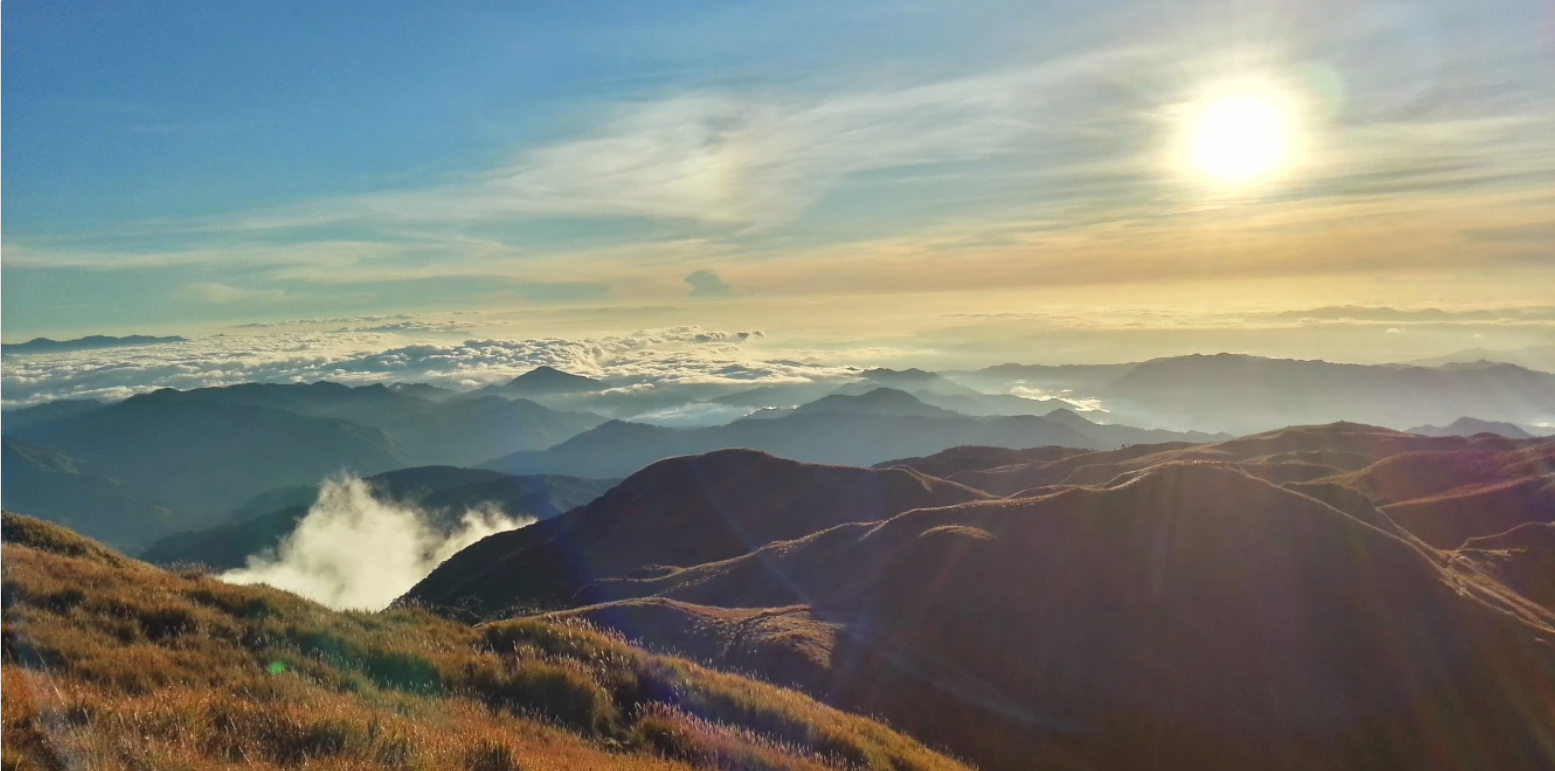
{"x": 354, "y": 551}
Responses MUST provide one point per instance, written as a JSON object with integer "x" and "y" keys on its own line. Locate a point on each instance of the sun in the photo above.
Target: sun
{"x": 1241, "y": 138}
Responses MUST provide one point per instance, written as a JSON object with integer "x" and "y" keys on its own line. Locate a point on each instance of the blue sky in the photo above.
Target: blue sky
{"x": 188, "y": 166}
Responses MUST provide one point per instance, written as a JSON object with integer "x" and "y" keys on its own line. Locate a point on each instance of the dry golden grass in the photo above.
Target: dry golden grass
{"x": 112, "y": 664}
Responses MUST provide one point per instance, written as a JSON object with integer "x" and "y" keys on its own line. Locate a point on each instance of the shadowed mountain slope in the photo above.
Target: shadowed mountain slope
{"x": 444, "y": 493}
{"x": 200, "y": 458}
{"x": 1522, "y": 558}
{"x": 12, "y": 421}
{"x": 1192, "y": 617}
{"x": 199, "y": 454}
{"x": 59, "y": 488}
{"x": 1476, "y": 510}
{"x": 678, "y": 512}
{"x": 457, "y": 432}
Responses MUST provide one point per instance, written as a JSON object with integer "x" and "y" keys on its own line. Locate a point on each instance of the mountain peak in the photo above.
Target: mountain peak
{"x": 1068, "y": 417}
{"x": 1467, "y": 426}
{"x": 899, "y": 375}
{"x": 545, "y": 379}
{"x": 877, "y": 401}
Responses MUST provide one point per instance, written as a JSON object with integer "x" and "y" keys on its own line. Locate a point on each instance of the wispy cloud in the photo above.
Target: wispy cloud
{"x": 217, "y": 293}
{"x": 1053, "y": 168}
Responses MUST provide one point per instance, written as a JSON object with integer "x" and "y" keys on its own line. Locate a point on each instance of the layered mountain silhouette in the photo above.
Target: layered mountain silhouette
{"x": 839, "y": 429}
{"x": 199, "y": 454}
{"x": 1242, "y": 394}
{"x": 1539, "y": 357}
{"x": 46, "y": 345}
{"x": 457, "y": 432}
{"x": 72, "y": 492}
{"x": 15, "y": 420}
{"x": 928, "y": 387}
{"x": 443, "y": 493}
{"x": 200, "y": 458}
{"x": 1247, "y": 393}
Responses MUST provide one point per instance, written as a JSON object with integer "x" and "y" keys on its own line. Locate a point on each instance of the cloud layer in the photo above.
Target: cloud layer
{"x": 688, "y": 355}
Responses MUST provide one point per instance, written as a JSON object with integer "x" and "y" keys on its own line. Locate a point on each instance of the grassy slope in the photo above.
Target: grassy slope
{"x": 112, "y": 664}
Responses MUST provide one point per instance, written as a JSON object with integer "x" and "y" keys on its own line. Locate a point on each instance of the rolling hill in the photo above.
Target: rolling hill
{"x": 1193, "y": 616}
{"x": 679, "y": 512}
{"x": 1238, "y": 604}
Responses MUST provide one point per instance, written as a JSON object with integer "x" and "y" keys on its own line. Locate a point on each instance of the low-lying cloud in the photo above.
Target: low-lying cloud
{"x": 1060, "y": 398}
{"x": 694, "y": 415}
{"x": 356, "y": 551}
{"x": 681, "y": 355}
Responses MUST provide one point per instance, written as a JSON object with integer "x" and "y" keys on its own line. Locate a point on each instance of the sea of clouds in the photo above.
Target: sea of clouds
{"x": 680, "y": 355}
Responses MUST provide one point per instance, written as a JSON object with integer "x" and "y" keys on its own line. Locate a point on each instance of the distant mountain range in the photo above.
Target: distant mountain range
{"x": 199, "y": 454}
{"x": 193, "y": 457}
{"x": 1471, "y": 426}
{"x": 840, "y": 428}
{"x": 1241, "y": 394}
{"x": 1539, "y": 357}
{"x": 45, "y": 345}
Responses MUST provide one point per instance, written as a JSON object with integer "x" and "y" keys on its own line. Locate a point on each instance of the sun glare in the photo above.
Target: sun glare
{"x": 1241, "y": 138}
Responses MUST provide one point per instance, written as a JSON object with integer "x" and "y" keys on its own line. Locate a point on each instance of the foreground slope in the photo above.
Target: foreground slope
{"x": 111, "y": 664}
{"x": 678, "y": 512}
{"x": 1193, "y": 616}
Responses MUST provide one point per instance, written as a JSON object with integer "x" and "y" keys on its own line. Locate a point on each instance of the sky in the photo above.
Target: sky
{"x": 886, "y": 182}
